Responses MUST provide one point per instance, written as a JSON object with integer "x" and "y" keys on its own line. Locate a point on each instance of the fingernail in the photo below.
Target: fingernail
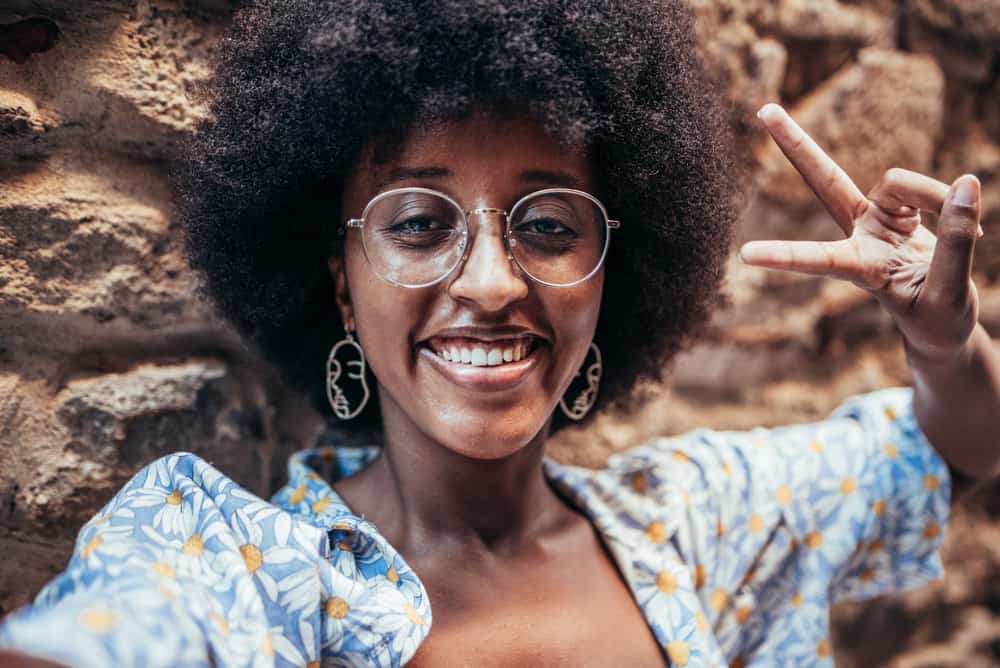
{"x": 966, "y": 192}
{"x": 760, "y": 112}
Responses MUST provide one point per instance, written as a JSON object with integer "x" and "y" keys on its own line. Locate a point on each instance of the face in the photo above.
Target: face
{"x": 487, "y": 302}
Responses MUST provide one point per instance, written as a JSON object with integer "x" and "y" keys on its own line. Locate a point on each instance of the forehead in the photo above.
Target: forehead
{"x": 475, "y": 154}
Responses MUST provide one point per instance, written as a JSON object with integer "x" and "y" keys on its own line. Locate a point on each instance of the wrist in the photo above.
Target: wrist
{"x": 923, "y": 356}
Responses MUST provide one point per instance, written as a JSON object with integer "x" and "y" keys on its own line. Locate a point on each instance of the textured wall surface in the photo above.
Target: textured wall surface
{"x": 107, "y": 361}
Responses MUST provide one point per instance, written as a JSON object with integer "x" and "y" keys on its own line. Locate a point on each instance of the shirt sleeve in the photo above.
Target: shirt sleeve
{"x": 846, "y": 508}
{"x": 181, "y": 567}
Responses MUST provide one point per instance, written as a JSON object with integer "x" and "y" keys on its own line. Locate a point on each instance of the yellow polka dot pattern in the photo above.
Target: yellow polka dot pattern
{"x": 679, "y": 652}
{"x": 193, "y": 545}
{"x": 784, "y": 495}
{"x": 252, "y": 556}
{"x": 220, "y": 622}
{"x": 743, "y": 614}
{"x": 98, "y": 620}
{"x": 656, "y": 532}
{"x": 336, "y": 607}
{"x": 298, "y": 494}
{"x": 91, "y": 546}
{"x": 413, "y": 615}
{"x": 666, "y": 582}
{"x": 718, "y": 599}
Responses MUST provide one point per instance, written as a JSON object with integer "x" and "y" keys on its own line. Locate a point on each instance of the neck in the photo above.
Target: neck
{"x": 428, "y": 495}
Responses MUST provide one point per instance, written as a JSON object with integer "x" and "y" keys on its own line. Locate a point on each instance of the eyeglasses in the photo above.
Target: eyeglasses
{"x": 415, "y": 237}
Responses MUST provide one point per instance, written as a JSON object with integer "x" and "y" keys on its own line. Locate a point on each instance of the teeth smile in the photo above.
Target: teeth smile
{"x": 481, "y": 354}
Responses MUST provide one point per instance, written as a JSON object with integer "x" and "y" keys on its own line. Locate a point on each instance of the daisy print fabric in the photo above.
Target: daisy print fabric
{"x": 734, "y": 545}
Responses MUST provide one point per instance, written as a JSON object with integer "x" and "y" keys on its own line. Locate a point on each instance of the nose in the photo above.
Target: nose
{"x": 487, "y": 276}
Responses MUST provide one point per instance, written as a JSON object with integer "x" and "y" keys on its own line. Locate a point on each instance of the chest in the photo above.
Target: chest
{"x": 576, "y": 611}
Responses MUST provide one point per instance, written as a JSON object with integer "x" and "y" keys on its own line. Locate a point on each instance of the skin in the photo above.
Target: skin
{"x": 483, "y": 449}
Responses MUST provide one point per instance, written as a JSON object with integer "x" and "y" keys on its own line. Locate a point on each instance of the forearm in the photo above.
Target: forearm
{"x": 957, "y": 403}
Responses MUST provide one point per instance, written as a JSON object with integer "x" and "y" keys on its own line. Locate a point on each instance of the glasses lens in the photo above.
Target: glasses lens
{"x": 413, "y": 238}
{"x": 558, "y": 237}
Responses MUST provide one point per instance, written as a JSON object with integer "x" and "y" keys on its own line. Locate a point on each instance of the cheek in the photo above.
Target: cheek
{"x": 574, "y": 313}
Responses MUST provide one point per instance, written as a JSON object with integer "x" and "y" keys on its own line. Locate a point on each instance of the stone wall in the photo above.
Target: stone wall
{"x": 107, "y": 360}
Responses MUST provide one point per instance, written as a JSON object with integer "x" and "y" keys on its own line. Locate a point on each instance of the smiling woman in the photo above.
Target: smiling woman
{"x": 489, "y": 219}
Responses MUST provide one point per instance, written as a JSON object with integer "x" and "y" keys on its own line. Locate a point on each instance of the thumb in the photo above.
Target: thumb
{"x": 958, "y": 228}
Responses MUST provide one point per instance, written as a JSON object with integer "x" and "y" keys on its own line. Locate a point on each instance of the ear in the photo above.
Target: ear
{"x": 341, "y": 291}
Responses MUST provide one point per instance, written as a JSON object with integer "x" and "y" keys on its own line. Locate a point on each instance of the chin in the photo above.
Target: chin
{"x": 486, "y": 439}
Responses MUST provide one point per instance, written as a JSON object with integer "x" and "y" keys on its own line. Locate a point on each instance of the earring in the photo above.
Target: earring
{"x": 585, "y": 400}
{"x": 334, "y": 394}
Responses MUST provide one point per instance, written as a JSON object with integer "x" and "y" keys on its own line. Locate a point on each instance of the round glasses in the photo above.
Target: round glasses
{"x": 414, "y": 237}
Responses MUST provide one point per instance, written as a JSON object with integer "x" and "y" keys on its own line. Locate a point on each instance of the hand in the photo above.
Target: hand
{"x": 925, "y": 282}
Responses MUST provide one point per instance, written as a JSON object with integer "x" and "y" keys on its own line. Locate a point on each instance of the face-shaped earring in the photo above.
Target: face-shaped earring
{"x": 355, "y": 370}
{"x": 585, "y": 400}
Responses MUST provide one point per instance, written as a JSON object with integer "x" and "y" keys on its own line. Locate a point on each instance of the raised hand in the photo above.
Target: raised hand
{"x": 924, "y": 281}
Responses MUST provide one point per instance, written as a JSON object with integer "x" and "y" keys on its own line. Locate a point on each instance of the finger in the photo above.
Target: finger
{"x": 900, "y": 191}
{"x": 838, "y": 259}
{"x": 951, "y": 266}
{"x": 831, "y": 184}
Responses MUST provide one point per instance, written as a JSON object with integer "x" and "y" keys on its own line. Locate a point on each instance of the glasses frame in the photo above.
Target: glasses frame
{"x": 464, "y": 244}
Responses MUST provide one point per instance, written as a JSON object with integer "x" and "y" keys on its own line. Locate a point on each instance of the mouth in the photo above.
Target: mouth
{"x": 483, "y": 365}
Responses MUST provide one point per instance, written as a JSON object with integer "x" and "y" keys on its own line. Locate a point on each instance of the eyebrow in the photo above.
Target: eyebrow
{"x": 546, "y": 176}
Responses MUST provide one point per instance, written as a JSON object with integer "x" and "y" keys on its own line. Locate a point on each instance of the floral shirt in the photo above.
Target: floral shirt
{"x": 734, "y": 544}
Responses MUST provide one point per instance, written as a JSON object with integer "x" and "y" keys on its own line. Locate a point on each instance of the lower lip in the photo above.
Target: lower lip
{"x": 485, "y": 378}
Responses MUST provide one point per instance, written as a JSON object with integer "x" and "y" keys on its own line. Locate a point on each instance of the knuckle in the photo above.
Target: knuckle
{"x": 963, "y": 211}
{"x": 956, "y": 237}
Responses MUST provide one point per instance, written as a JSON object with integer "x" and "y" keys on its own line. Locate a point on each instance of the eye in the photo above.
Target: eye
{"x": 545, "y": 226}
{"x": 418, "y": 225}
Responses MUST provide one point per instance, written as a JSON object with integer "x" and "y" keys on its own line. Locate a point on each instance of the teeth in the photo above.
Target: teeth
{"x": 483, "y": 356}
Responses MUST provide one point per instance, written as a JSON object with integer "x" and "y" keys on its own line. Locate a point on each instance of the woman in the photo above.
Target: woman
{"x": 511, "y": 213}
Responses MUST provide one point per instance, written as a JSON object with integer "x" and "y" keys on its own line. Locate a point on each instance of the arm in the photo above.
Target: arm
{"x": 924, "y": 281}
{"x": 956, "y": 401}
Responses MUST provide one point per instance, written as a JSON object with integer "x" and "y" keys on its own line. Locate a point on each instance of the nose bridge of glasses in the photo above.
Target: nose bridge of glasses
{"x": 484, "y": 215}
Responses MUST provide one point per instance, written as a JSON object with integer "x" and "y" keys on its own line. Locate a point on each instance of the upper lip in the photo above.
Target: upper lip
{"x": 494, "y": 333}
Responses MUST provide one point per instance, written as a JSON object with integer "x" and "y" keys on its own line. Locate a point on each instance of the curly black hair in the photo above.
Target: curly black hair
{"x": 300, "y": 87}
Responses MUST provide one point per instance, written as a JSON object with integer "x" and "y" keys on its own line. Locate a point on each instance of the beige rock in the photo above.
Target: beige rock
{"x": 967, "y": 19}
{"x": 882, "y": 112}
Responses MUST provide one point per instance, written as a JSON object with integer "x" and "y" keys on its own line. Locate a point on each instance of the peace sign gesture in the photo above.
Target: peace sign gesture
{"x": 924, "y": 281}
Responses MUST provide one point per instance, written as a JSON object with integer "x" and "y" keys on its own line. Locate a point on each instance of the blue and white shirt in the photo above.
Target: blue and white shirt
{"x": 734, "y": 544}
